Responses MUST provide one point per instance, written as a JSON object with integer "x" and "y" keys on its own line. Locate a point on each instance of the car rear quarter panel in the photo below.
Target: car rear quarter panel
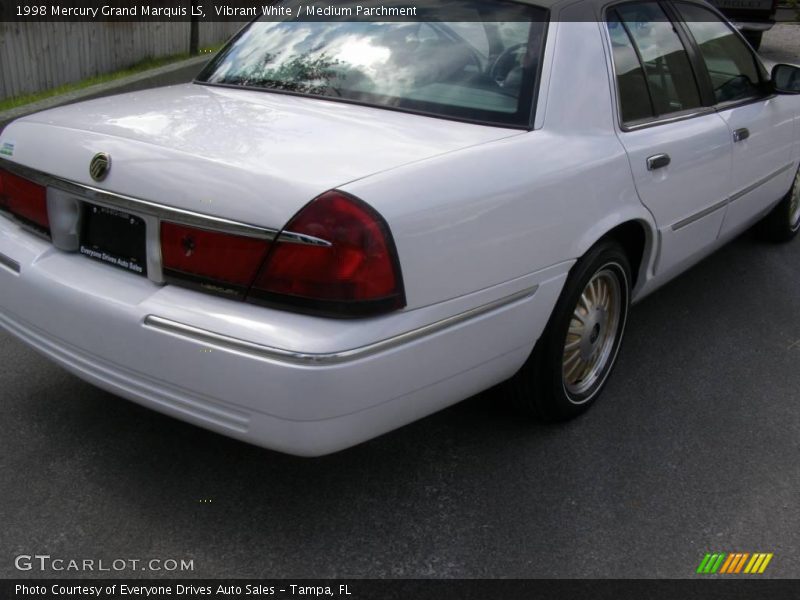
{"x": 501, "y": 212}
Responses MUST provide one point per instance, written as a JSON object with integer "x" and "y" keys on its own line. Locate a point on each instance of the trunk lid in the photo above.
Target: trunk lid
{"x": 244, "y": 155}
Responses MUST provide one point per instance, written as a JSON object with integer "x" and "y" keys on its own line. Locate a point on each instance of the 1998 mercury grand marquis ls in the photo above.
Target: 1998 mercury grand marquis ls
{"x": 341, "y": 227}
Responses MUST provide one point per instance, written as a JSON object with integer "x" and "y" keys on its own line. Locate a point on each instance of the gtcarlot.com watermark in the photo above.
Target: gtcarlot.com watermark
{"x": 45, "y": 563}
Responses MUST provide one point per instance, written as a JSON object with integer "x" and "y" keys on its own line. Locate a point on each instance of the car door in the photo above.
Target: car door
{"x": 760, "y": 123}
{"x": 679, "y": 148}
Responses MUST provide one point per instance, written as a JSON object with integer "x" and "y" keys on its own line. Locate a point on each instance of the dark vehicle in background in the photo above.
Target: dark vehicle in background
{"x": 752, "y": 17}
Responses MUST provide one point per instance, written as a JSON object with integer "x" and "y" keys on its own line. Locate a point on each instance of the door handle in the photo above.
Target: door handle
{"x": 741, "y": 134}
{"x": 658, "y": 161}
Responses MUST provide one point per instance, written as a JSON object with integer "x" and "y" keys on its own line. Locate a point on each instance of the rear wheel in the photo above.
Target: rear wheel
{"x": 577, "y": 351}
{"x": 783, "y": 223}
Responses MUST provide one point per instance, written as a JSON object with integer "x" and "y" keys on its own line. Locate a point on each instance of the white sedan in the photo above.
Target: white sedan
{"x": 342, "y": 227}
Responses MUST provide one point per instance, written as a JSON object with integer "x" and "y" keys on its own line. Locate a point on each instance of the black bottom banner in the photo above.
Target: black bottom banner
{"x": 411, "y": 589}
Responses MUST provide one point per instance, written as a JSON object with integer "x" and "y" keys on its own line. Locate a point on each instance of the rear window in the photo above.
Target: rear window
{"x": 483, "y": 70}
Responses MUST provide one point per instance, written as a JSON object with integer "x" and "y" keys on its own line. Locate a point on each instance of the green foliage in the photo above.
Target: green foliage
{"x": 139, "y": 67}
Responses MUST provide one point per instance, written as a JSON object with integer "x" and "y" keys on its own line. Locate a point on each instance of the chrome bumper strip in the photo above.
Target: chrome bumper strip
{"x": 733, "y": 198}
{"x": 225, "y": 342}
{"x": 759, "y": 183}
{"x": 700, "y": 215}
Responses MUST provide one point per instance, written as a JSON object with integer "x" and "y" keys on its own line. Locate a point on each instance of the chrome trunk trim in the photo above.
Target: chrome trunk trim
{"x": 137, "y": 205}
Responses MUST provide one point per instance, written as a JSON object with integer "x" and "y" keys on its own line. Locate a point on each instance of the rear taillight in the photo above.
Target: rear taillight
{"x": 219, "y": 262}
{"x": 24, "y": 199}
{"x": 335, "y": 257}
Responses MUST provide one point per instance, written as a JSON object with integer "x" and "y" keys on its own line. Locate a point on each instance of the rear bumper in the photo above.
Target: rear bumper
{"x": 293, "y": 383}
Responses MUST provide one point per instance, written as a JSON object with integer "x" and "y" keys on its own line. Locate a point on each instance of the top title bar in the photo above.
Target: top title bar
{"x": 30, "y": 11}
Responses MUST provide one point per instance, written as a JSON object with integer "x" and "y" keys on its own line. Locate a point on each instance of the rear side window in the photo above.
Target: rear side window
{"x": 730, "y": 63}
{"x": 670, "y": 83}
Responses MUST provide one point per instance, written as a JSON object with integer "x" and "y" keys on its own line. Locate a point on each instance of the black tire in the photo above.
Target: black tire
{"x": 754, "y": 37}
{"x": 541, "y": 387}
{"x": 782, "y": 224}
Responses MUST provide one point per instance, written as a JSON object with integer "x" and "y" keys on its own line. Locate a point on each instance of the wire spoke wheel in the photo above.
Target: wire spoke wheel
{"x": 591, "y": 337}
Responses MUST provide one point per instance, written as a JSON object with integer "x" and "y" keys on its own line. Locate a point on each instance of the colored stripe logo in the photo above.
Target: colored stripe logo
{"x": 734, "y": 563}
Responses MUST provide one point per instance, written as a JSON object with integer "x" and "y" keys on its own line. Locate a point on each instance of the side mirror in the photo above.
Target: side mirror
{"x": 786, "y": 79}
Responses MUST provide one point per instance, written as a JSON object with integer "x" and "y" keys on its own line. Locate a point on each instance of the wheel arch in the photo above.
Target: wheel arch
{"x": 637, "y": 236}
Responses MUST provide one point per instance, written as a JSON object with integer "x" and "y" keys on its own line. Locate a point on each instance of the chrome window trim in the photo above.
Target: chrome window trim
{"x": 225, "y": 342}
{"x": 731, "y": 104}
{"x": 667, "y": 119}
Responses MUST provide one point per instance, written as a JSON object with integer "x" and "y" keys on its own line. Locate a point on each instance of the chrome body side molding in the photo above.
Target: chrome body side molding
{"x": 750, "y": 188}
{"x": 225, "y": 342}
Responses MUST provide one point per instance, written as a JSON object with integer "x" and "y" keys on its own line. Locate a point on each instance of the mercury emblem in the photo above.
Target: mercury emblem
{"x": 100, "y": 166}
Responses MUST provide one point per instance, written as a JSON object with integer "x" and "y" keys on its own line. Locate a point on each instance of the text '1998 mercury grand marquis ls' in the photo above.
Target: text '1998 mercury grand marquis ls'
{"x": 341, "y": 227}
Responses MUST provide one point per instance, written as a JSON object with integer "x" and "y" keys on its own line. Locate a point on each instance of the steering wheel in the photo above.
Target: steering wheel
{"x": 504, "y": 63}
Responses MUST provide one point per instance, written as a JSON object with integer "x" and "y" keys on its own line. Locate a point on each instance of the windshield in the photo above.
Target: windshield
{"x": 483, "y": 70}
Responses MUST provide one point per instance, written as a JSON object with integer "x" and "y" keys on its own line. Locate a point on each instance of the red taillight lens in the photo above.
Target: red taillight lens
{"x": 24, "y": 199}
{"x": 355, "y": 274}
{"x": 217, "y": 261}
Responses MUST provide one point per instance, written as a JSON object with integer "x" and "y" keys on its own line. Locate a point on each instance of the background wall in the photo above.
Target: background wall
{"x": 40, "y": 56}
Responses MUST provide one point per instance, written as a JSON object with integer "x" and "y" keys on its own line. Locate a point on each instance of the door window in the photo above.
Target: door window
{"x": 670, "y": 82}
{"x": 730, "y": 63}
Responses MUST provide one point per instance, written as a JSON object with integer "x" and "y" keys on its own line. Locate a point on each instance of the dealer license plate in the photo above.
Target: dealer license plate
{"x": 114, "y": 237}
